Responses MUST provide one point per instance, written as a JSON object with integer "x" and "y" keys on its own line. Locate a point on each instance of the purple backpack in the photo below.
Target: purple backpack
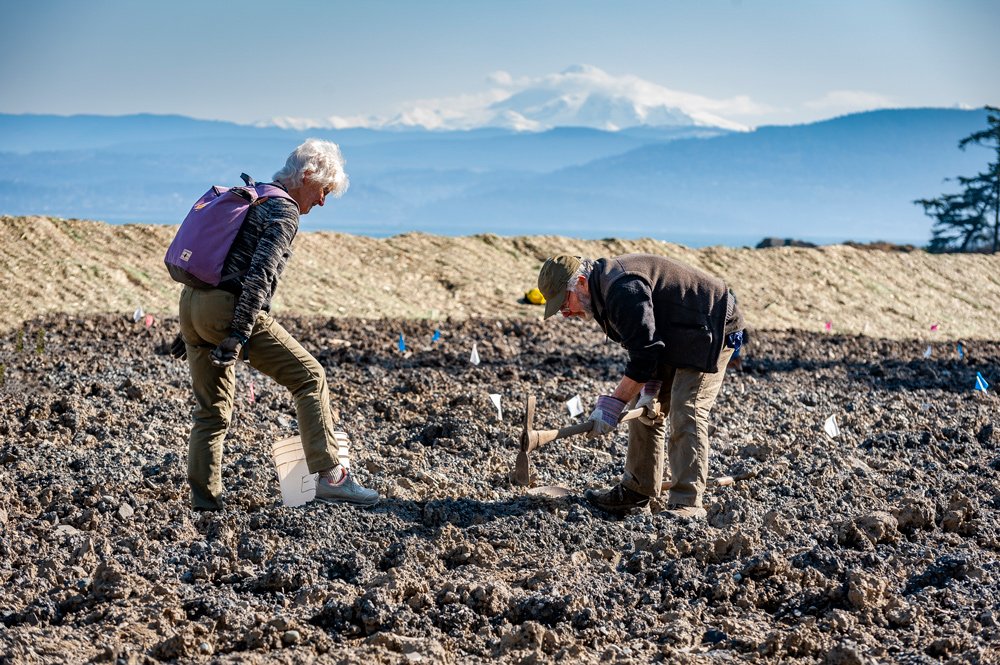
{"x": 199, "y": 249}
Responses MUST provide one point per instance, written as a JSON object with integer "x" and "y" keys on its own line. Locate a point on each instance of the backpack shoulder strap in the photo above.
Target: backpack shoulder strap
{"x": 265, "y": 192}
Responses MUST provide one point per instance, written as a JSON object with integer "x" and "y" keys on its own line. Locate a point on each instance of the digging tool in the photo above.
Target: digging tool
{"x": 532, "y": 439}
{"x": 551, "y": 491}
{"x": 718, "y": 481}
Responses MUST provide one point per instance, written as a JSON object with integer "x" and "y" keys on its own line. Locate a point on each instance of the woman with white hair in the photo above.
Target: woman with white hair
{"x": 220, "y": 324}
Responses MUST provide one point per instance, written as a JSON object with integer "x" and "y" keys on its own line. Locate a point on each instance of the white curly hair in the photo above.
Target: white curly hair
{"x": 322, "y": 161}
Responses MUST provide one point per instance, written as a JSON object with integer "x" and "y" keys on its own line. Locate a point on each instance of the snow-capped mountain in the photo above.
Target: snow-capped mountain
{"x": 579, "y": 96}
{"x": 585, "y": 96}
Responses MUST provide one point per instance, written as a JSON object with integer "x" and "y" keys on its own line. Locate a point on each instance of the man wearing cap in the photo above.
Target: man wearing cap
{"x": 680, "y": 326}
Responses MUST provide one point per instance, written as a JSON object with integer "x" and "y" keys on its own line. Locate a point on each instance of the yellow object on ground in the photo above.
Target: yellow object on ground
{"x": 535, "y": 297}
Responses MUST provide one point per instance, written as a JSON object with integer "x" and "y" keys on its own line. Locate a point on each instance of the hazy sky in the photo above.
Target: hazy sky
{"x": 795, "y": 60}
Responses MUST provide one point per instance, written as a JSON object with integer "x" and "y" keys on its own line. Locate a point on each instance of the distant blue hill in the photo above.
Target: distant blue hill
{"x": 852, "y": 177}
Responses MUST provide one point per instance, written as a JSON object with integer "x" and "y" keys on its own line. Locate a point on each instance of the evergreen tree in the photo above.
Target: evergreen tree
{"x": 970, "y": 220}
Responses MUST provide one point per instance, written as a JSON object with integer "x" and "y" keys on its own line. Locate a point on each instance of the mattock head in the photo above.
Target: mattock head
{"x": 529, "y": 421}
{"x": 521, "y": 475}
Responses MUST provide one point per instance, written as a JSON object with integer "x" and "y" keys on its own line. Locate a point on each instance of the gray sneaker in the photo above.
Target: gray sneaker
{"x": 346, "y": 492}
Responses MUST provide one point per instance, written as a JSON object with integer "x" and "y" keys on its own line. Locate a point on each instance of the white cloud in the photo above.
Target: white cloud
{"x": 291, "y": 122}
{"x": 846, "y": 101}
{"x": 501, "y": 78}
{"x": 460, "y": 112}
{"x": 581, "y": 95}
{"x": 587, "y": 96}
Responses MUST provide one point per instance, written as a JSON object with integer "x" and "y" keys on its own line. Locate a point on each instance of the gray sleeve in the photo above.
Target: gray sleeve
{"x": 280, "y": 225}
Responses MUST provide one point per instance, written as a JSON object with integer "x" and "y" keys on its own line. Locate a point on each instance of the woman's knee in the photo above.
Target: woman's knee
{"x": 212, "y": 421}
{"x": 313, "y": 379}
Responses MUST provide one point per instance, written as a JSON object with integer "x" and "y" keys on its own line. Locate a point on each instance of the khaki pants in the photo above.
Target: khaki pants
{"x": 205, "y": 317}
{"x": 689, "y": 395}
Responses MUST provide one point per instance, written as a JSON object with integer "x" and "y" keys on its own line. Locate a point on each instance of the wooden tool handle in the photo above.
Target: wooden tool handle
{"x": 718, "y": 481}
{"x": 632, "y": 415}
{"x": 539, "y": 438}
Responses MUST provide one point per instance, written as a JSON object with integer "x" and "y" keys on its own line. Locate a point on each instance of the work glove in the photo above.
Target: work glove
{"x": 647, "y": 399}
{"x": 178, "y": 349}
{"x": 605, "y": 416}
{"x": 226, "y": 353}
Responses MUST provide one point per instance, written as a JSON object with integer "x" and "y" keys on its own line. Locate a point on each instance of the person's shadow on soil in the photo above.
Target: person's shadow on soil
{"x": 464, "y": 512}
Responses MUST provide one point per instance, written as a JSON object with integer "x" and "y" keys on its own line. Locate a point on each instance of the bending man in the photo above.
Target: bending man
{"x": 680, "y": 326}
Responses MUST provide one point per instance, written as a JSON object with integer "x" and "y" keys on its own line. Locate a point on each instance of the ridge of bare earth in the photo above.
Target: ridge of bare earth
{"x": 74, "y": 266}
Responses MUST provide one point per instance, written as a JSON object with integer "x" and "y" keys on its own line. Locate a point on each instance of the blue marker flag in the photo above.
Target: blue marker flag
{"x": 436, "y": 336}
{"x": 402, "y": 344}
{"x": 961, "y": 351}
{"x": 981, "y": 382}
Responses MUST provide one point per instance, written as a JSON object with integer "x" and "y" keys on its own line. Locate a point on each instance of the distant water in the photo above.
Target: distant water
{"x": 688, "y": 239}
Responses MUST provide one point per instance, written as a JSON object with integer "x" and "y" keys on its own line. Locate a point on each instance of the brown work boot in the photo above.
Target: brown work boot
{"x": 618, "y": 500}
{"x": 686, "y": 512}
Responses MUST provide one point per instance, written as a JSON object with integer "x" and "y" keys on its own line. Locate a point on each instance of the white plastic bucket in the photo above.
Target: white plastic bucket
{"x": 298, "y": 486}
{"x": 343, "y": 449}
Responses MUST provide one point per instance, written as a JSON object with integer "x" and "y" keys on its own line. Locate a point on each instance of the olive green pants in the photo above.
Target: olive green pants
{"x": 205, "y": 317}
{"x": 686, "y": 399}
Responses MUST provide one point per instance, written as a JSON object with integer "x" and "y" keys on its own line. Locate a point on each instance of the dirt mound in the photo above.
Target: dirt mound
{"x": 879, "y": 544}
{"x": 52, "y": 265}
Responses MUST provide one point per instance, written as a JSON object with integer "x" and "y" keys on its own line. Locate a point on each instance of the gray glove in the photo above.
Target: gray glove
{"x": 647, "y": 400}
{"x": 605, "y": 417}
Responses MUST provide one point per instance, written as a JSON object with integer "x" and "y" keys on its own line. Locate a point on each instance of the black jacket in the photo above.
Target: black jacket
{"x": 663, "y": 312}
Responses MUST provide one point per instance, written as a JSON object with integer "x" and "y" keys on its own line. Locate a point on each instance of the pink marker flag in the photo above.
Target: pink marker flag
{"x": 149, "y": 320}
{"x": 828, "y": 325}
{"x": 934, "y": 327}
{"x": 252, "y": 397}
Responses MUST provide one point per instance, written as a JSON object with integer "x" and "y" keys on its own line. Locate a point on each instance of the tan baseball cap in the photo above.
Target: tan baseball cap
{"x": 553, "y": 281}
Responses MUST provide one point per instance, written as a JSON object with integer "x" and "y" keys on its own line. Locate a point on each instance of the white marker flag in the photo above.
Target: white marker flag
{"x": 927, "y": 353}
{"x": 831, "y": 427}
{"x": 474, "y": 356}
{"x": 575, "y": 406}
{"x": 138, "y": 314}
{"x": 495, "y": 398}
